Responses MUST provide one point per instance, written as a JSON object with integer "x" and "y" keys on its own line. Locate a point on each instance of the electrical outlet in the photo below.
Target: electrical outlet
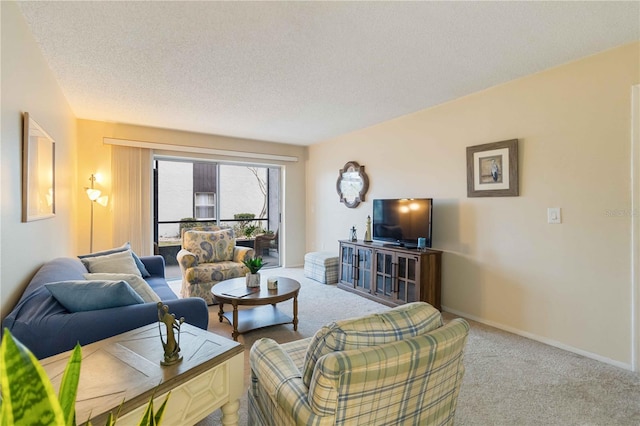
{"x": 554, "y": 215}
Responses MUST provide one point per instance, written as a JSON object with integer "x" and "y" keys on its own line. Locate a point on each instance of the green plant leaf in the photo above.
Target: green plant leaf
{"x": 147, "y": 418}
{"x": 254, "y": 264}
{"x": 3, "y": 413}
{"x": 160, "y": 413}
{"x": 69, "y": 386}
{"x": 28, "y": 396}
{"x": 110, "y": 420}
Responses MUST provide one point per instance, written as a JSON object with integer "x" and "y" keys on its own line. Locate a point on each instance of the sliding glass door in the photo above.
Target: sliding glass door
{"x": 189, "y": 194}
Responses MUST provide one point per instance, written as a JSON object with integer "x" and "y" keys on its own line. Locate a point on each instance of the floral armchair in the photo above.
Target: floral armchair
{"x": 402, "y": 366}
{"x": 209, "y": 255}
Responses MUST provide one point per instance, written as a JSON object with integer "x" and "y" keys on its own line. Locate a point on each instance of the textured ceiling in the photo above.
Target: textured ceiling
{"x": 302, "y": 72}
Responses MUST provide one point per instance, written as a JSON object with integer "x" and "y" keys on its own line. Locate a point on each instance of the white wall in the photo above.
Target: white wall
{"x": 175, "y": 198}
{"x": 28, "y": 86}
{"x": 565, "y": 284}
{"x": 239, "y": 193}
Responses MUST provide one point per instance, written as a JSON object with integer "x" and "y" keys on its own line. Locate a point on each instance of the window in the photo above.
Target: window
{"x": 205, "y": 205}
{"x": 245, "y": 197}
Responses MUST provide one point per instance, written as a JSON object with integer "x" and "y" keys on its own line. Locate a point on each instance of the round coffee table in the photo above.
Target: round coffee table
{"x": 236, "y": 293}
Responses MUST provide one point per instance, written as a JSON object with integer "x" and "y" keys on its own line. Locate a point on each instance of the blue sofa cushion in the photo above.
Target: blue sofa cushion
{"x": 126, "y": 246}
{"x": 80, "y": 295}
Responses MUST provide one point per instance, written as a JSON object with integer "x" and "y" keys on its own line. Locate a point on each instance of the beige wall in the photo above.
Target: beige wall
{"x": 95, "y": 157}
{"x": 29, "y": 86}
{"x": 567, "y": 284}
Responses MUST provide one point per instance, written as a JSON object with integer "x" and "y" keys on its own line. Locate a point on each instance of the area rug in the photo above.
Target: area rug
{"x": 509, "y": 380}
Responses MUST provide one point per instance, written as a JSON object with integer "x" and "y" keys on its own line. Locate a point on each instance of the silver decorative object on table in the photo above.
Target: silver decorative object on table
{"x": 172, "y": 345}
{"x": 272, "y": 283}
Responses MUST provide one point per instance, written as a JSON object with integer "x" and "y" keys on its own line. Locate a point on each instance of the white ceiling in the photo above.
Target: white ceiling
{"x": 303, "y": 72}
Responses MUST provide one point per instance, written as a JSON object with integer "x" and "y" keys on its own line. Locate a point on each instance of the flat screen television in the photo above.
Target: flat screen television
{"x": 402, "y": 221}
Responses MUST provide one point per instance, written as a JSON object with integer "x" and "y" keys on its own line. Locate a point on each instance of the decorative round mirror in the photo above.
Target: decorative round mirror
{"x": 352, "y": 184}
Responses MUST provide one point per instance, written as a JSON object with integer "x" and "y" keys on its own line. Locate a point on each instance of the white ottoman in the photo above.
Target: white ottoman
{"x": 321, "y": 266}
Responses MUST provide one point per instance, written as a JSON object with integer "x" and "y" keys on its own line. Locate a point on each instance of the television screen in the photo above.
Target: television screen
{"x": 402, "y": 221}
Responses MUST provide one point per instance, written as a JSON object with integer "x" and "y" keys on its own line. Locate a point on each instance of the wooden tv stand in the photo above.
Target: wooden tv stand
{"x": 392, "y": 275}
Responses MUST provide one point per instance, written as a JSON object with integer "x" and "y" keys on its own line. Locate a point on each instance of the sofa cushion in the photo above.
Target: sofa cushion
{"x": 399, "y": 323}
{"x": 207, "y": 246}
{"x": 79, "y": 296}
{"x": 59, "y": 269}
{"x": 124, "y": 247}
{"x": 118, "y": 263}
{"x": 138, "y": 285}
{"x": 215, "y": 272}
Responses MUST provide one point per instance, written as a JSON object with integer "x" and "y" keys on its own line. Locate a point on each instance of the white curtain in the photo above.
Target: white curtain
{"x": 131, "y": 173}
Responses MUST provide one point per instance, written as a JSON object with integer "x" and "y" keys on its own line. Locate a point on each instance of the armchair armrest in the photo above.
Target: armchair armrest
{"x": 242, "y": 253}
{"x": 275, "y": 372}
{"x": 186, "y": 260}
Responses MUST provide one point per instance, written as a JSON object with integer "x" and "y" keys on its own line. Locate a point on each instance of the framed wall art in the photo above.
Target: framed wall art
{"x": 38, "y": 172}
{"x": 352, "y": 184}
{"x": 492, "y": 169}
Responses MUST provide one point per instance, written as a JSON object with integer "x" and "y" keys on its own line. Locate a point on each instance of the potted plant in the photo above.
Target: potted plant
{"x": 243, "y": 227}
{"x": 254, "y": 265}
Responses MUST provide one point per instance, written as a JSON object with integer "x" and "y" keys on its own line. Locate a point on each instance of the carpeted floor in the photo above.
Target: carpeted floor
{"x": 509, "y": 380}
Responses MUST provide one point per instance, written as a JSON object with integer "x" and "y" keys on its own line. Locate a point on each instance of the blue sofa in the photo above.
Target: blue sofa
{"x": 47, "y": 328}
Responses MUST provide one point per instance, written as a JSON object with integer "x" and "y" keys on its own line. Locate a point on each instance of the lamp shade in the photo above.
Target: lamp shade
{"x": 103, "y": 201}
{"x": 93, "y": 194}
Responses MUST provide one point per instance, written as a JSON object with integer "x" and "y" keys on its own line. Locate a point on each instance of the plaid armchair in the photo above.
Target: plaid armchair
{"x": 400, "y": 366}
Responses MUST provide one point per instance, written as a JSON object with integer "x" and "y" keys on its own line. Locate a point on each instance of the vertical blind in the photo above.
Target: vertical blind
{"x": 131, "y": 174}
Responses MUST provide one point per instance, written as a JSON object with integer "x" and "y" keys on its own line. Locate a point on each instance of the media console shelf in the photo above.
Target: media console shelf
{"x": 390, "y": 275}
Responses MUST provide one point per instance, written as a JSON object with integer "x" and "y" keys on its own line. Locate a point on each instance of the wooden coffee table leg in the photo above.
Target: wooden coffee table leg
{"x": 235, "y": 322}
{"x": 295, "y": 312}
{"x": 221, "y": 312}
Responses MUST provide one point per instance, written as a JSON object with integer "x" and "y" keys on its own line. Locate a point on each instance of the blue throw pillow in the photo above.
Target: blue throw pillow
{"x": 126, "y": 246}
{"x": 79, "y": 295}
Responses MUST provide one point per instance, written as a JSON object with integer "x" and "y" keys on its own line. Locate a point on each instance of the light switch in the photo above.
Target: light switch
{"x": 554, "y": 215}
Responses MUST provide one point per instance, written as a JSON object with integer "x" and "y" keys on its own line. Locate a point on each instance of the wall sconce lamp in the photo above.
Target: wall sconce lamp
{"x": 95, "y": 195}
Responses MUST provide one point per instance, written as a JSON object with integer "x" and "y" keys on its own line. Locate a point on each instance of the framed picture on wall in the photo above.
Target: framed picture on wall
{"x": 38, "y": 172}
{"x": 492, "y": 169}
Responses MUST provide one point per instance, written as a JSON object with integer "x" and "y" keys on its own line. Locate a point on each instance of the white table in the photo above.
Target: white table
{"x": 127, "y": 367}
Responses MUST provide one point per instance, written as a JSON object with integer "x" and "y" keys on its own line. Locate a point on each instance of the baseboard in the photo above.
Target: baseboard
{"x": 540, "y": 339}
